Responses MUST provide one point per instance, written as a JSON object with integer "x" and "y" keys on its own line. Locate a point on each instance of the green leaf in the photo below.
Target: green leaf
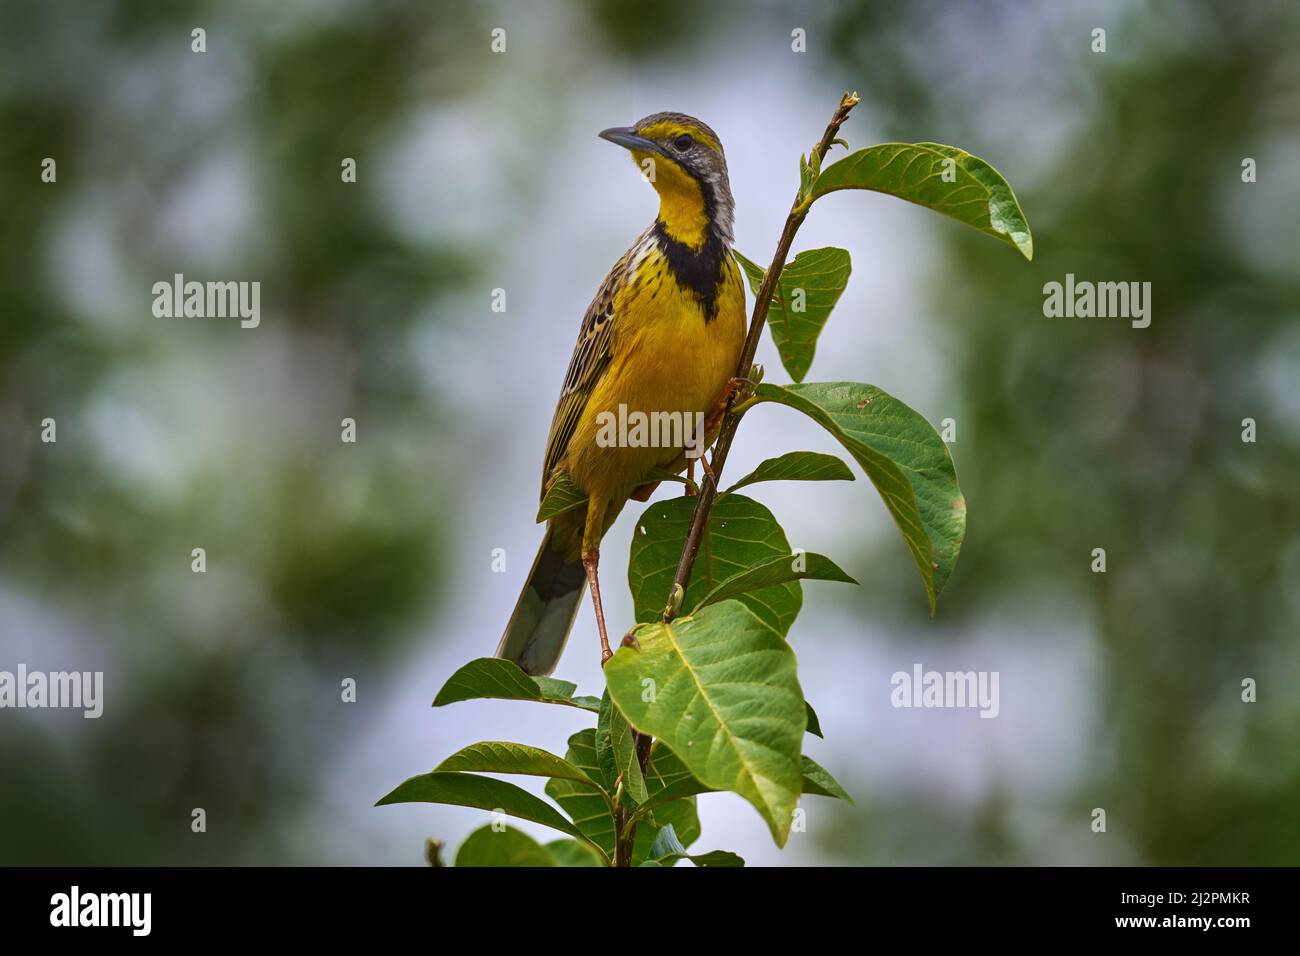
{"x": 726, "y": 700}
{"x": 604, "y": 748}
{"x": 790, "y": 567}
{"x": 680, "y": 789}
{"x": 716, "y": 858}
{"x": 682, "y": 815}
{"x": 555, "y": 691}
{"x": 797, "y": 466}
{"x": 590, "y": 810}
{"x": 817, "y": 780}
{"x": 663, "y": 474}
{"x": 740, "y": 534}
{"x": 903, "y": 456}
{"x": 814, "y": 725}
{"x": 561, "y": 495}
{"x": 499, "y": 757}
{"x": 806, "y": 293}
{"x": 616, "y": 752}
{"x": 1005, "y": 214}
{"x": 486, "y": 793}
{"x": 975, "y": 193}
{"x": 573, "y": 853}
{"x": 667, "y": 850}
{"x": 508, "y": 847}
{"x": 585, "y": 803}
{"x": 665, "y": 770}
{"x": 499, "y": 679}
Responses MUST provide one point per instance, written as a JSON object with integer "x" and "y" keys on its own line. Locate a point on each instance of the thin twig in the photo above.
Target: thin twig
{"x": 625, "y": 823}
{"x": 762, "y": 303}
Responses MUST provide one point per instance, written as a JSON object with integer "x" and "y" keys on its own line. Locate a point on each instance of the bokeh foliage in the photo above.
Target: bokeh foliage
{"x": 1073, "y": 434}
{"x": 1079, "y": 434}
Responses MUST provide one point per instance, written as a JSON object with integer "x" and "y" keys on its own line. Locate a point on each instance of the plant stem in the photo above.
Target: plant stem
{"x": 762, "y": 303}
{"x": 624, "y": 841}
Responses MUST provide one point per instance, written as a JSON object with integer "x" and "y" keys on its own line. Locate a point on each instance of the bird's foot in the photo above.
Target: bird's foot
{"x": 737, "y": 390}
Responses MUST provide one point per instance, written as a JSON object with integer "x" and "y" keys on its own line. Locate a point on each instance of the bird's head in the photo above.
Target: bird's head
{"x": 682, "y": 158}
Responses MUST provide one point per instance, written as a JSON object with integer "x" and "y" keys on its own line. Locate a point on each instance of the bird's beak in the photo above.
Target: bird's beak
{"x": 627, "y": 137}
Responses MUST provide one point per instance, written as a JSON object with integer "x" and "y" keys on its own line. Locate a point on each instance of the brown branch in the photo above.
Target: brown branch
{"x": 624, "y": 838}
{"x": 624, "y": 828}
{"x": 762, "y": 303}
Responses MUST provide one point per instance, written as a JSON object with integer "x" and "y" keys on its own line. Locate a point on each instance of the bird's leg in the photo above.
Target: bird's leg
{"x": 591, "y": 535}
{"x": 709, "y": 470}
{"x": 590, "y": 563}
{"x": 690, "y": 477}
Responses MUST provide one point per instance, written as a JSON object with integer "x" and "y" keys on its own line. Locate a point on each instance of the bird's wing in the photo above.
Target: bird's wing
{"x": 591, "y": 357}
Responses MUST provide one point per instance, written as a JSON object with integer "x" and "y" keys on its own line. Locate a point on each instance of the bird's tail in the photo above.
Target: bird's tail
{"x": 544, "y": 614}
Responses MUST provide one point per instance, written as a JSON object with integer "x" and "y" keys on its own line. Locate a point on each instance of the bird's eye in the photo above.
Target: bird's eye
{"x": 683, "y": 143}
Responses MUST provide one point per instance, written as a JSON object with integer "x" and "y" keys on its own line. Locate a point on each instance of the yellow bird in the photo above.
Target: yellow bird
{"x": 658, "y": 346}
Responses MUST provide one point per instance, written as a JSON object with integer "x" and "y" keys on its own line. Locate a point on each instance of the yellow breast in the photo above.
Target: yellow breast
{"x": 670, "y": 363}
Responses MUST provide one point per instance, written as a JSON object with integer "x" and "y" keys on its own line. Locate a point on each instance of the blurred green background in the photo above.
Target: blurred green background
{"x": 480, "y": 171}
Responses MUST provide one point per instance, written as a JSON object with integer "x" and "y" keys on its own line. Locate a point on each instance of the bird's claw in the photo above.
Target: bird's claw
{"x": 743, "y": 388}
